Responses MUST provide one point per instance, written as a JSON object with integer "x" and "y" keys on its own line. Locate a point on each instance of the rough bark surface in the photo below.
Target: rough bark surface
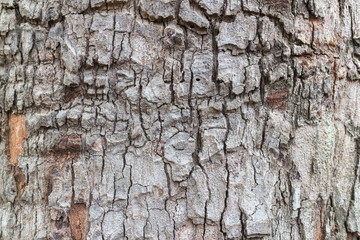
{"x": 188, "y": 119}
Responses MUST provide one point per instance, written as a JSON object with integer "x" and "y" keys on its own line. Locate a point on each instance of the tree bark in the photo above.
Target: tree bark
{"x": 188, "y": 119}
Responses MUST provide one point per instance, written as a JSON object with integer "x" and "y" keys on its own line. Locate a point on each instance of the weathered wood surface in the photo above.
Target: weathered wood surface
{"x": 188, "y": 119}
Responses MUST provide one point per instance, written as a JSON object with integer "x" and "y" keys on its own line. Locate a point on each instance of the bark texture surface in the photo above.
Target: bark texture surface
{"x": 188, "y": 119}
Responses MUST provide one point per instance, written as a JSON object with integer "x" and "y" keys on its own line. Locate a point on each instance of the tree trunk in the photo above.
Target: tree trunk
{"x": 188, "y": 119}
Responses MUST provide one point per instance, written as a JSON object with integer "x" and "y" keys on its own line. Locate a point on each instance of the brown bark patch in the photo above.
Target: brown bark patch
{"x": 71, "y": 92}
{"x": 20, "y": 182}
{"x": 161, "y": 192}
{"x": 320, "y": 226}
{"x": 307, "y": 61}
{"x": 279, "y": 4}
{"x": 351, "y": 236}
{"x": 71, "y": 143}
{"x": 78, "y": 221}
{"x": 277, "y": 99}
{"x": 320, "y": 235}
{"x": 17, "y": 134}
{"x": 48, "y": 187}
{"x": 159, "y": 149}
{"x": 315, "y": 20}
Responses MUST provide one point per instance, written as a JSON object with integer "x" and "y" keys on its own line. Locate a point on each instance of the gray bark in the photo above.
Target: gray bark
{"x": 188, "y": 119}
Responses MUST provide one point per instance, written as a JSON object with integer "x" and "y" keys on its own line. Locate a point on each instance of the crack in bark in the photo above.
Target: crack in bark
{"x": 228, "y": 127}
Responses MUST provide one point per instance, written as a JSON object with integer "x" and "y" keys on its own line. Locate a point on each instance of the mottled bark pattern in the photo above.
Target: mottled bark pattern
{"x": 180, "y": 119}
